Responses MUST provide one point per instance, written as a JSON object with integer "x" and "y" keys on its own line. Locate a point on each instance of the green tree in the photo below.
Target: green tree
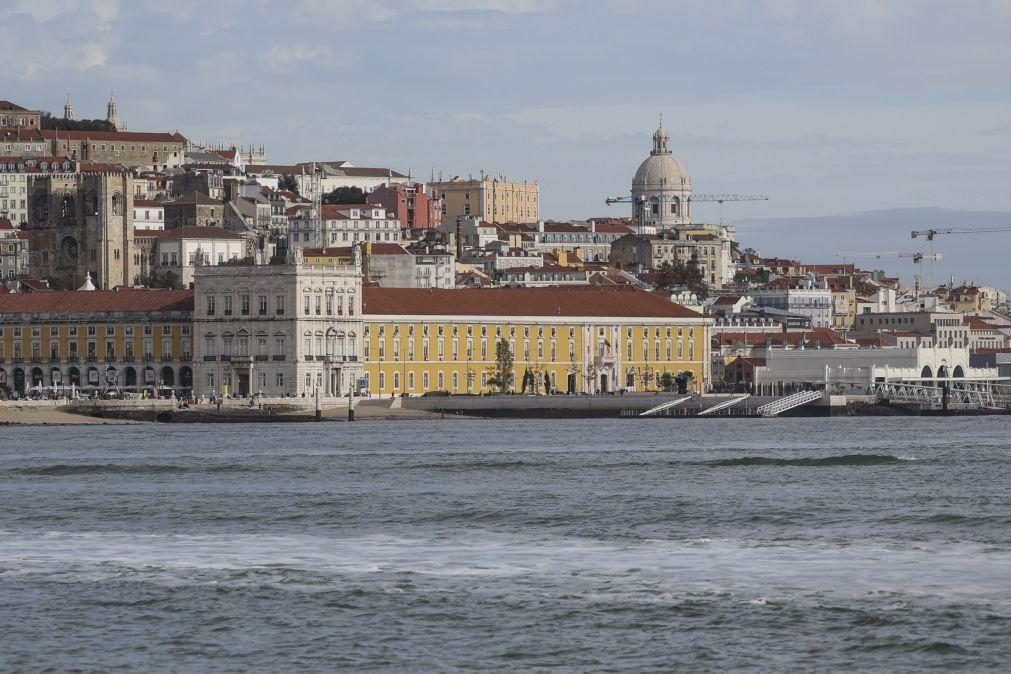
{"x": 345, "y": 195}
{"x": 287, "y": 183}
{"x": 50, "y": 122}
{"x": 503, "y": 376}
{"x": 682, "y": 275}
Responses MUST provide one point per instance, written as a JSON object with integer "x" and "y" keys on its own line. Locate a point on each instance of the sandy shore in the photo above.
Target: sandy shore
{"x": 48, "y": 416}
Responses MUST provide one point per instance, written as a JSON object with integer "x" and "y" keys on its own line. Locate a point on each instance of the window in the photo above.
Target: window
{"x": 263, "y": 304}
{"x": 279, "y": 346}
{"x": 228, "y": 305}
{"x": 329, "y": 304}
{"x": 306, "y": 305}
{"x": 280, "y": 305}
{"x": 279, "y": 379}
{"x": 244, "y": 300}
{"x": 319, "y": 305}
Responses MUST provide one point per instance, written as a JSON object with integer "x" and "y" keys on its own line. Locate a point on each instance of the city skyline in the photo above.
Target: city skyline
{"x": 829, "y": 110}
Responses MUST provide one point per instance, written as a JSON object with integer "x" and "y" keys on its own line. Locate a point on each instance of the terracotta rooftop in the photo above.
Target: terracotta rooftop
{"x": 826, "y": 336}
{"x": 609, "y": 301}
{"x": 120, "y": 136}
{"x": 96, "y": 301}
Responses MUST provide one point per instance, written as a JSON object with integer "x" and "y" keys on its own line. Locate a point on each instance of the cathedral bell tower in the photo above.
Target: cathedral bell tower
{"x": 68, "y": 109}
{"x": 112, "y": 114}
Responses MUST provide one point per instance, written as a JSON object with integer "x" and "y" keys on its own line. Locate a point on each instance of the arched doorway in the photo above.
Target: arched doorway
{"x": 74, "y": 375}
{"x": 185, "y": 377}
{"x": 942, "y": 372}
{"x": 130, "y": 377}
{"x": 958, "y": 371}
{"x": 149, "y": 379}
{"x": 56, "y": 377}
{"x": 926, "y": 372}
{"x": 571, "y": 384}
{"x": 19, "y": 380}
{"x": 168, "y": 376}
{"x": 37, "y": 377}
{"x": 93, "y": 376}
{"x": 112, "y": 377}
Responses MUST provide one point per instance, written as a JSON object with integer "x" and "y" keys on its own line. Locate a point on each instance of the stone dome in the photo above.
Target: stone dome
{"x": 660, "y": 171}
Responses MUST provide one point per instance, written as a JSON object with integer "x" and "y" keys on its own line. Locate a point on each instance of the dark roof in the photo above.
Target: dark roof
{"x": 194, "y": 198}
{"x": 96, "y": 301}
{"x": 610, "y": 301}
{"x": 194, "y": 232}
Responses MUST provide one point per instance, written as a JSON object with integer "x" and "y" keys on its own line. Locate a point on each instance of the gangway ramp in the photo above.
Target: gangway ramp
{"x": 664, "y": 406}
{"x": 789, "y": 402}
{"x": 724, "y": 405}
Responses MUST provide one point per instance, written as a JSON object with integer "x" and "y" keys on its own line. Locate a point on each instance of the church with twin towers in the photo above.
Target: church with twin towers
{"x": 111, "y": 112}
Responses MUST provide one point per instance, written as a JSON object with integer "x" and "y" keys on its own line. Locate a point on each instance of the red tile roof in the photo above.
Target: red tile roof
{"x": 826, "y": 336}
{"x": 609, "y": 301}
{"x": 123, "y": 136}
{"x": 146, "y": 203}
{"x": 96, "y": 301}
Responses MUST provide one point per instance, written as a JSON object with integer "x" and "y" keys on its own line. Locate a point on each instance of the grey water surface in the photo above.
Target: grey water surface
{"x": 575, "y": 545}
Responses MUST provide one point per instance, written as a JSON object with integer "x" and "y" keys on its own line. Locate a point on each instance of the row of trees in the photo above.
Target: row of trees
{"x": 50, "y": 121}
{"x": 503, "y": 375}
{"x": 341, "y": 195}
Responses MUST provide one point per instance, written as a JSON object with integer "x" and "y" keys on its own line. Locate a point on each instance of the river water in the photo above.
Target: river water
{"x": 576, "y": 545}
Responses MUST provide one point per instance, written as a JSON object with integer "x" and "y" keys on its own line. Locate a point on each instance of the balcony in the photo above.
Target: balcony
{"x": 74, "y": 359}
{"x": 227, "y": 358}
{"x": 110, "y": 359}
{"x": 280, "y": 357}
{"x": 52, "y": 359}
{"x": 309, "y": 358}
{"x": 166, "y": 359}
{"x": 209, "y": 358}
{"x": 92, "y": 359}
{"x": 17, "y": 360}
{"x": 129, "y": 358}
{"x": 36, "y": 359}
{"x": 260, "y": 359}
{"x": 210, "y": 312}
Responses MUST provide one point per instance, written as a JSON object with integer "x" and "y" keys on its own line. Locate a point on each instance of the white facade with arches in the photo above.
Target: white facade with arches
{"x": 853, "y": 370}
{"x": 278, "y": 330}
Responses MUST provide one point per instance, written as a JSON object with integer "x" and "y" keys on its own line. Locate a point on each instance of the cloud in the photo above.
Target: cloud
{"x": 284, "y": 56}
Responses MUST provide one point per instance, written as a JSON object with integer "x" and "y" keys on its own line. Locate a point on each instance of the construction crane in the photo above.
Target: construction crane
{"x": 931, "y": 233}
{"x": 717, "y": 198}
{"x": 917, "y": 258}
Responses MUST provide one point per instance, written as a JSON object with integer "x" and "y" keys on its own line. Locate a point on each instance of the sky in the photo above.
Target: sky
{"x": 828, "y": 107}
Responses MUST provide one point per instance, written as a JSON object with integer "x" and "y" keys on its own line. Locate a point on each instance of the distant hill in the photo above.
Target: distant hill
{"x": 984, "y": 258}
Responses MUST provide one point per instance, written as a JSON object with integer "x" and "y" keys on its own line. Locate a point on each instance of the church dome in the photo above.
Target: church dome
{"x": 661, "y": 170}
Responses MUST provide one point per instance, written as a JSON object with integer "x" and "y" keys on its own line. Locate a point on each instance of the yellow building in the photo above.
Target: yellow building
{"x": 93, "y": 340}
{"x": 492, "y": 199}
{"x": 562, "y": 339}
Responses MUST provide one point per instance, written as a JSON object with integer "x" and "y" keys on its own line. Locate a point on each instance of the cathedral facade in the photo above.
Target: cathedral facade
{"x": 80, "y": 226}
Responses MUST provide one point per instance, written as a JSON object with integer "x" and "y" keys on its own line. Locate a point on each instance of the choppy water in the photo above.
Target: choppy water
{"x": 828, "y": 544}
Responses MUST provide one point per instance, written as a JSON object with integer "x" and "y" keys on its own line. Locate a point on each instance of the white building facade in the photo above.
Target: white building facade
{"x": 279, "y": 330}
